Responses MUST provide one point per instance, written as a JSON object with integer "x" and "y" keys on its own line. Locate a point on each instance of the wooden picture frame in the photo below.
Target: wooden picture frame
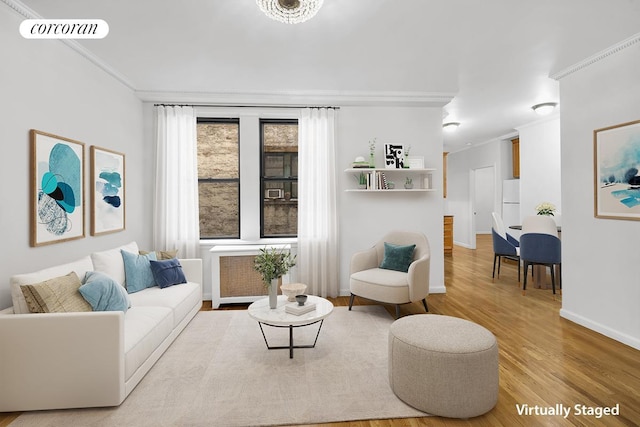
{"x": 57, "y": 189}
{"x": 107, "y": 191}
{"x": 616, "y": 171}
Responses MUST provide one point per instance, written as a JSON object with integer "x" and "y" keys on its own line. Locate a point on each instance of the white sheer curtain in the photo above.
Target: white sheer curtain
{"x": 317, "y": 262}
{"x": 175, "y": 218}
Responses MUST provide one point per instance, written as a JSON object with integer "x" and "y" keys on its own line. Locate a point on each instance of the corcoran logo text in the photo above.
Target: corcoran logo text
{"x": 64, "y": 29}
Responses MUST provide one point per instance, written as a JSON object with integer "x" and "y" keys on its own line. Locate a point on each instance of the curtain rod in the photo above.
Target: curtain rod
{"x": 246, "y": 106}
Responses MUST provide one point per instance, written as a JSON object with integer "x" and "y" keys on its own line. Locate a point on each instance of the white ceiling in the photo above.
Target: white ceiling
{"x": 494, "y": 56}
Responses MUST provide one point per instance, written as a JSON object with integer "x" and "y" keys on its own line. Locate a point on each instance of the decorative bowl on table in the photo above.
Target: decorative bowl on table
{"x": 301, "y": 299}
{"x": 293, "y": 289}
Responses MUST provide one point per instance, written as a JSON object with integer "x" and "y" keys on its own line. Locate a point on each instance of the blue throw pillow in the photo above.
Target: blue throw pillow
{"x": 397, "y": 257}
{"x": 167, "y": 273}
{"x": 104, "y": 293}
{"x": 137, "y": 271}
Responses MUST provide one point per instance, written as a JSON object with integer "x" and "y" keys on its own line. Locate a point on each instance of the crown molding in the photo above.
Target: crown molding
{"x": 28, "y": 13}
{"x": 258, "y": 98}
{"x": 548, "y": 118}
{"x": 597, "y": 57}
{"x": 21, "y": 9}
{"x": 300, "y": 98}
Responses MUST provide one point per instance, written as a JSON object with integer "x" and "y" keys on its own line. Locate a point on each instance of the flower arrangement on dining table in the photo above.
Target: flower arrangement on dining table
{"x": 546, "y": 208}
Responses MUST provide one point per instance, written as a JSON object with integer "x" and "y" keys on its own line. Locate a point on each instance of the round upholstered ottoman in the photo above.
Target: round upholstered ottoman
{"x": 443, "y": 365}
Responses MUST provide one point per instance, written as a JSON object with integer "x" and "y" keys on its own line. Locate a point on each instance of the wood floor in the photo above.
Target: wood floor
{"x": 544, "y": 360}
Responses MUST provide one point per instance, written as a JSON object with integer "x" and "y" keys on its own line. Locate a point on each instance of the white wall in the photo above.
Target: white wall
{"x": 460, "y": 165}
{"x": 45, "y": 85}
{"x": 540, "y": 176}
{"x": 600, "y": 257}
{"x": 366, "y": 217}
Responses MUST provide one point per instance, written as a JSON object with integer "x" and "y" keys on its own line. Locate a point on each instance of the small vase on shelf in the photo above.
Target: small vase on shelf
{"x": 408, "y": 184}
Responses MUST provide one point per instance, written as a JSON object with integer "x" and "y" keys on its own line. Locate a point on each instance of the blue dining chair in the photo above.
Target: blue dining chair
{"x": 540, "y": 249}
{"x": 507, "y": 248}
{"x": 504, "y": 245}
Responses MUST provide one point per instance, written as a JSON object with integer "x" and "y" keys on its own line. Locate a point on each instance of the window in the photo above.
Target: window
{"x": 219, "y": 177}
{"x": 279, "y": 178}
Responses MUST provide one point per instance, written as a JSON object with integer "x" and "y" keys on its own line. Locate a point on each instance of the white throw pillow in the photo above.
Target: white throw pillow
{"x": 110, "y": 262}
{"x": 20, "y": 306}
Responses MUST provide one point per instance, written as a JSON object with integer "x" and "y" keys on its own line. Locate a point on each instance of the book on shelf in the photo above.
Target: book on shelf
{"x": 383, "y": 184}
{"x": 297, "y": 310}
{"x": 360, "y": 165}
{"x": 376, "y": 180}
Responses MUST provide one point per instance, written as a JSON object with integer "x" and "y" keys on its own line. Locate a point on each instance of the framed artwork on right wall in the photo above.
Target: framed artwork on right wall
{"x": 617, "y": 171}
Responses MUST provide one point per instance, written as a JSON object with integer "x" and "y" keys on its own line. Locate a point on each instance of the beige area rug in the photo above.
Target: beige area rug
{"x": 219, "y": 372}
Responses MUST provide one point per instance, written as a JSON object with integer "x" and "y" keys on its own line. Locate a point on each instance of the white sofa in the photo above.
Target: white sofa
{"x": 95, "y": 358}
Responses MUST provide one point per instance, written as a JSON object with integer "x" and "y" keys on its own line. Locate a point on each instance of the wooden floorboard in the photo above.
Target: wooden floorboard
{"x": 544, "y": 360}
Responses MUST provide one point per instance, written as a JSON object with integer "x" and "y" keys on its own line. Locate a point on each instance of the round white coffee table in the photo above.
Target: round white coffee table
{"x": 279, "y": 318}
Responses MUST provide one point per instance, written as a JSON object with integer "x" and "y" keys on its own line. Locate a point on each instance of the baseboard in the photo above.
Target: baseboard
{"x": 464, "y": 245}
{"x": 601, "y": 329}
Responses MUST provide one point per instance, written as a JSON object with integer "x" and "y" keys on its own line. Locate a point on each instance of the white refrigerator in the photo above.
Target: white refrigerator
{"x": 511, "y": 204}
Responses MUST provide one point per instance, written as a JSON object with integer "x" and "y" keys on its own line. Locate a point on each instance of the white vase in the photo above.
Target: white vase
{"x": 273, "y": 292}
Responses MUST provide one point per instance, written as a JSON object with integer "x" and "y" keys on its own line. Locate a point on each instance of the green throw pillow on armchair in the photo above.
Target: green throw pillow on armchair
{"x": 397, "y": 257}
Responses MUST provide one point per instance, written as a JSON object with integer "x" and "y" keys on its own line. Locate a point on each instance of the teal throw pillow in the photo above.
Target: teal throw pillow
{"x": 137, "y": 271}
{"x": 104, "y": 293}
{"x": 397, "y": 257}
{"x": 167, "y": 272}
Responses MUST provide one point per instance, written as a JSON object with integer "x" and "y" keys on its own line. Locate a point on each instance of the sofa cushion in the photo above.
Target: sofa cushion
{"x": 80, "y": 267}
{"x": 138, "y": 271}
{"x": 397, "y": 257}
{"x": 57, "y": 295}
{"x": 167, "y": 272}
{"x": 180, "y": 299}
{"x": 382, "y": 277}
{"x": 110, "y": 262}
{"x": 145, "y": 328}
{"x": 381, "y": 285}
{"x": 104, "y": 293}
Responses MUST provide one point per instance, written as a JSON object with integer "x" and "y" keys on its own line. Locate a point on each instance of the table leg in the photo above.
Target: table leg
{"x": 290, "y": 342}
{"x": 291, "y": 346}
{"x": 540, "y": 276}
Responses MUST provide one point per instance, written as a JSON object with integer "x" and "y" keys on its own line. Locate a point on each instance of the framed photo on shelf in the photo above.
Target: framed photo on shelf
{"x": 107, "y": 191}
{"x": 616, "y": 176}
{"x": 57, "y": 189}
{"x": 393, "y": 156}
{"x": 415, "y": 162}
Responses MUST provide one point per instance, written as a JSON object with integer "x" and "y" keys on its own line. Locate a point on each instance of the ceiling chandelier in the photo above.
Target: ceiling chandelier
{"x": 290, "y": 11}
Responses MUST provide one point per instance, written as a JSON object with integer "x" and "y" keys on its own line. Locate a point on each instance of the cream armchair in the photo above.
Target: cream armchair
{"x": 369, "y": 281}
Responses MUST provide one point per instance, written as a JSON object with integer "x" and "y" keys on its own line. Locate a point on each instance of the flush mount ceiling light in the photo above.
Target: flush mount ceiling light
{"x": 544, "y": 108}
{"x": 290, "y": 11}
{"x": 450, "y": 126}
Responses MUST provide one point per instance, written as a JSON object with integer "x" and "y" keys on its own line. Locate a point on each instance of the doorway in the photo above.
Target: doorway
{"x": 483, "y": 201}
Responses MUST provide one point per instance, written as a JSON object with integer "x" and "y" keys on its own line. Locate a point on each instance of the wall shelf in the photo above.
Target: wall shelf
{"x": 422, "y": 180}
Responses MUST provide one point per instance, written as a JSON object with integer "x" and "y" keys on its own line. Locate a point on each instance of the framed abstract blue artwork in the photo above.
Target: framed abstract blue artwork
{"x": 617, "y": 171}
{"x": 57, "y": 189}
{"x": 107, "y": 191}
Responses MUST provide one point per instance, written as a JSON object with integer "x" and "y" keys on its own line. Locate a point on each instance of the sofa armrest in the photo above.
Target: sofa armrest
{"x": 364, "y": 260}
{"x": 418, "y": 278}
{"x": 61, "y": 360}
{"x": 192, "y": 268}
